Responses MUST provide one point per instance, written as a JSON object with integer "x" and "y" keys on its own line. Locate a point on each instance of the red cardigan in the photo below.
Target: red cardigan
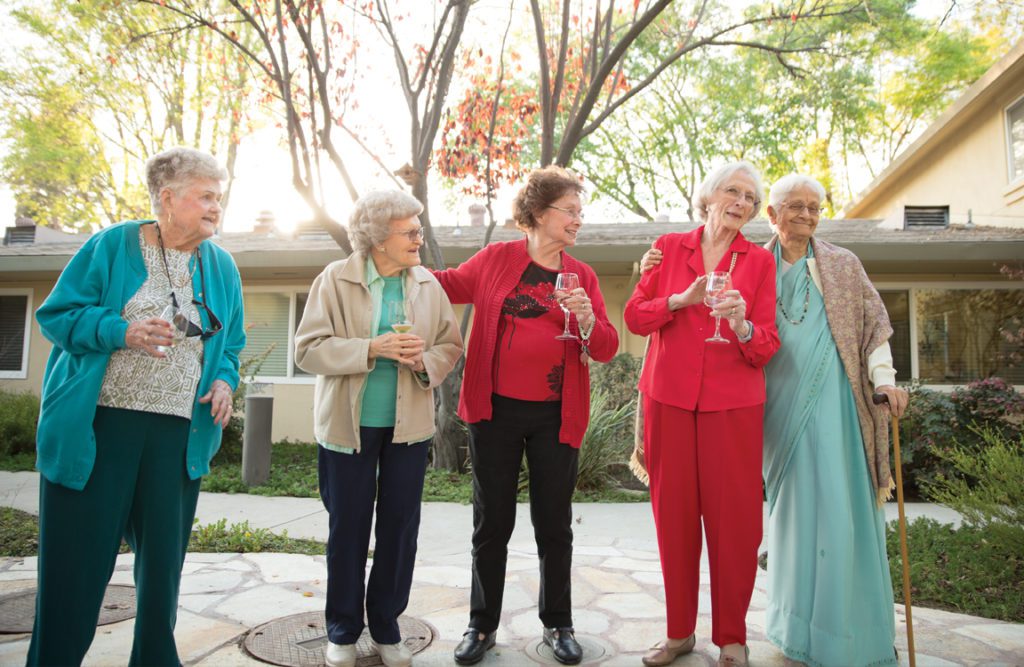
{"x": 681, "y": 369}
{"x": 484, "y": 280}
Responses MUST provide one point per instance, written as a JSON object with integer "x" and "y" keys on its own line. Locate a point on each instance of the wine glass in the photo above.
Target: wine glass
{"x": 171, "y": 315}
{"x": 718, "y": 283}
{"x": 565, "y": 283}
{"x": 400, "y": 317}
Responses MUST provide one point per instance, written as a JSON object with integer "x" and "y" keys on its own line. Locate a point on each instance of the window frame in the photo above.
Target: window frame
{"x": 912, "y": 287}
{"x": 291, "y": 291}
{"x": 1008, "y": 143}
{"x": 27, "y": 292}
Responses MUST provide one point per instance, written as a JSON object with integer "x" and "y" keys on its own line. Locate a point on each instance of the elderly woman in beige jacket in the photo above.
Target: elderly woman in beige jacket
{"x": 380, "y": 334}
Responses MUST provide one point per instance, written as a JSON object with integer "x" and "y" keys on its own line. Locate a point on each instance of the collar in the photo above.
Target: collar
{"x": 692, "y": 240}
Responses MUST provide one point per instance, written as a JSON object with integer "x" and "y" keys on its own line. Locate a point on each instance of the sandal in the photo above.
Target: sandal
{"x": 662, "y": 654}
{"x": 729, "y": 661}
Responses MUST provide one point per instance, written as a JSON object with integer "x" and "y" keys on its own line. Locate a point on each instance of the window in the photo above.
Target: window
{"x": 15, "y": 330}
{"x": 1015, "y": 139}
{"x": 270, "y": 321}
{"x": 897, "y": 303}
{"x": 966, "y": 334}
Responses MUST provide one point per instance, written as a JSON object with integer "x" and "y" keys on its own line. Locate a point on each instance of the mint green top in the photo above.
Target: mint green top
{"x": 379, "y": 393}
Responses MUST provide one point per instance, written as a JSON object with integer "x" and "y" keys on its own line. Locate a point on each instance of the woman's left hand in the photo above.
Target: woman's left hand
{"x": 219, "y": 398}
{"x": 733, "y": 308}
{"x": 579, "y": 305}
{"x": 898, "y": 398}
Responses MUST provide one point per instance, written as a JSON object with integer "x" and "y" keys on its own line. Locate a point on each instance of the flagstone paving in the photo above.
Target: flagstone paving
{"x": 617, "y": 592}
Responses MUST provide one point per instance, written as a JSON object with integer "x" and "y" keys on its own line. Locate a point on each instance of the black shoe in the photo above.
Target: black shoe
{"x": 564, "y": 645}
{"x": 471, "y": 649}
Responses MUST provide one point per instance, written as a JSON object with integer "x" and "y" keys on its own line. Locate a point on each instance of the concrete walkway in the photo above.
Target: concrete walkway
{"x": 617, "y": 590}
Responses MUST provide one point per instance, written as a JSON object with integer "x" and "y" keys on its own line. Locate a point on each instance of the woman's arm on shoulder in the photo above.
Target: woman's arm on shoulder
{"x": 647, "y": 310}
{"x": 460, "y": 283}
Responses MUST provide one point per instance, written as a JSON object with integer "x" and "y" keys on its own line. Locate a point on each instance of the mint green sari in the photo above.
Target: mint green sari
{"x": 830, "y": 595}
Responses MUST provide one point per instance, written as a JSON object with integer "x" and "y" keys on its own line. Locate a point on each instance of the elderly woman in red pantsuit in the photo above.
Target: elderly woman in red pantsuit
{"x": 703, "y": 406}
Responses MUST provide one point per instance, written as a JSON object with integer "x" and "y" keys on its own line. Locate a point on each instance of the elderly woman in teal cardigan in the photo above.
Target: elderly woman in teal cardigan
{"x": 146, "y": 326}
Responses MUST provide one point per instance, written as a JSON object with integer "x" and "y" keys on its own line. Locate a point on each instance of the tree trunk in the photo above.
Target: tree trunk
{"x": 450, "y": 440}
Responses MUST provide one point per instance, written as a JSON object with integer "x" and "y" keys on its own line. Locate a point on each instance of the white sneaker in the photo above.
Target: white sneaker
{"x": 394, "y": 655}
{"x": 340, "y": 655}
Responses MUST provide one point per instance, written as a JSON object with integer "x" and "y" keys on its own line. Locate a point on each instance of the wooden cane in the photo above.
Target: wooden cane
{"x": 879, "y": 398}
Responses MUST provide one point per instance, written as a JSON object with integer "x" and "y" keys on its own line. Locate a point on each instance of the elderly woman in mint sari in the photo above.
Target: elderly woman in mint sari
{"x": 826, "y": 449}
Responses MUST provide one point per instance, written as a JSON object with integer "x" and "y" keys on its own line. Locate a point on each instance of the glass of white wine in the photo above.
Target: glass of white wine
{"x": 400, "y": 317}
{"x": 565, "y": 283}
{"x": 718, "y": 283}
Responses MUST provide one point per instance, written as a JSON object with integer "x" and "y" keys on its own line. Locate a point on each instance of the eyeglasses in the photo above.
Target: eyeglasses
{"x": 578, "y": 215}
{"x": 740, "y": 195}
{"x": 796, "y": 208}
{"x": 411, "y": 234}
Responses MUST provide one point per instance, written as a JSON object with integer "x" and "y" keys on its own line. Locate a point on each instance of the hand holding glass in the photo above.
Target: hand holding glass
{"x": 718, "y": 283}
{"x": 173, "y": 317}
{"x": 400, "y": 317}
{"x": 565, "y": 283}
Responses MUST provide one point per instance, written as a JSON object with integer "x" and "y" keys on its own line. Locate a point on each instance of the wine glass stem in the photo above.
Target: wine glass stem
{"x": 718, "y": 325}
{"x": 566, "y": 332}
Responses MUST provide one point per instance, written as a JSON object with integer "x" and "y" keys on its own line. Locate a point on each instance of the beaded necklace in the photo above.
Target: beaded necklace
{"x": 807, "y": 299}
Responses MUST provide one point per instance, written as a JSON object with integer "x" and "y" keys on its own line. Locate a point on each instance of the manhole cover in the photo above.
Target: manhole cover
{"x": 594, "y": 649}
{"x": 301, "y": 640}
{"x": 18, "y": 610}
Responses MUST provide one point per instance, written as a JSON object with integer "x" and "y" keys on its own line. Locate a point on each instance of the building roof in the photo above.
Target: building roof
{"x": 975, "y": 100}
{"x": 609, "y": 248}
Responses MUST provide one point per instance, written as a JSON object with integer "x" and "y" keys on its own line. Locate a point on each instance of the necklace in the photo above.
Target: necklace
{"x": 807, "y": 300}
{"x": 167, "y": 270}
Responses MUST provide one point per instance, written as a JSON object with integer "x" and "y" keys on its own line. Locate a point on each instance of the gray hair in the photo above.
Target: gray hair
{"x": 370, "y": 222}
{"x": 718, "y": 176}
{"x": 783, "y": 187}
{"x": 177, "y": 167}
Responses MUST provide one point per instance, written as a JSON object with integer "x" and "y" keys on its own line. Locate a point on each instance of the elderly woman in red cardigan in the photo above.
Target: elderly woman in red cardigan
{"x": 703, "y": 408}
{"x": 526, "y": 391}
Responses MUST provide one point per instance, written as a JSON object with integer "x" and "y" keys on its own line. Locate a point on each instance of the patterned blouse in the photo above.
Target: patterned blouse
{"x": 137, "y": 381}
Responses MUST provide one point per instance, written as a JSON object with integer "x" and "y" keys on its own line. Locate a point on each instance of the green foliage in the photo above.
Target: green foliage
{"x": 986, "y": 487}
{"x": 937, "y": 424}
{"x": 19, "y": 533}
{"x": 617, "y": 379}
{"x": 19, "y": 413}
{"x": 444, "y": 486}
{"x": 604, "y": 450}
{"x": 218, "y": 537}
{"x": 967, "y": 570}
{"x": 293, "y": 471}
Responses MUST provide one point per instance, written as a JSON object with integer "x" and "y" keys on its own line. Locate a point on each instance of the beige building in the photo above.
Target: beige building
{"x": 967, "y": 167}
{"x": 947, "y": 277}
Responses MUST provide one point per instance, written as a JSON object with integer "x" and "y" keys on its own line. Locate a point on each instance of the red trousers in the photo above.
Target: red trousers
{"x": 706, "y": 466}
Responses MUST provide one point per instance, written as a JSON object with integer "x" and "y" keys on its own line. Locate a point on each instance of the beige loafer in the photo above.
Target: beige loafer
{"x": 662, "y": 654}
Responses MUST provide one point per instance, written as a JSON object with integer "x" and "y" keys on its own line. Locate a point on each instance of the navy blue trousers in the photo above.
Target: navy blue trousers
{"x": 389, "y": 476}
{"x": 496, "y": 448}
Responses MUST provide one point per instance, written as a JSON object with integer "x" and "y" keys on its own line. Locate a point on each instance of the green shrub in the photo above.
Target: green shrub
{"x": 617, "y": 379}
{"x": 19, "y": 412}
{"x": 986, "y": 487}
{"x": 967, "y": 570}
{"x": 605, "y": 450}
{"x": 240, "y": 538}
{"x": 19, "y": 533}
{"x": 928, "y": 426}
{"x": 991, "y": 402}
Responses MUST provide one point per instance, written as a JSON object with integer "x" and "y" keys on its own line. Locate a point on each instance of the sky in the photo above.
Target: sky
{"x": 263, "y": 171}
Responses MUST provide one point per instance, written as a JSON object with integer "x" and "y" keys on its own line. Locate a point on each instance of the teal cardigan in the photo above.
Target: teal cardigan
{"x": 82, "y": 318}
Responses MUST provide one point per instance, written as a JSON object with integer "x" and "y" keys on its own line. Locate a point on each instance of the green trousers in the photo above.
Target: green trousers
{"x": 138, "y": 490}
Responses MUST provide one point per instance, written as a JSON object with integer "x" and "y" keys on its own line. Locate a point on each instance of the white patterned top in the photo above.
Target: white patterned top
{"x": 136, "y": 381}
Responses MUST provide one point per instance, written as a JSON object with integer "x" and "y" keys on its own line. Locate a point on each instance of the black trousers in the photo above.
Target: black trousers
{"x": 392, "y": 475}
{"x": 496, "y": 449}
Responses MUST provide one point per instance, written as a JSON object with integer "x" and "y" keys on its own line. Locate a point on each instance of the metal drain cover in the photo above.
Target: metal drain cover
{"x": 301, "y": 640}
{"x": 594, "y": 649}
{"x": 18, "y": 610}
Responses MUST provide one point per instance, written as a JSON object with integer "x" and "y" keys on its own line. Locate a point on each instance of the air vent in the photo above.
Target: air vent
{"x": 21, "y": 235}
{"x": 925, "y": 217}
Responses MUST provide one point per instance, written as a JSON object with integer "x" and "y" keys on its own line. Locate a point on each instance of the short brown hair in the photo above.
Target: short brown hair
{"x": 543, "y": 187}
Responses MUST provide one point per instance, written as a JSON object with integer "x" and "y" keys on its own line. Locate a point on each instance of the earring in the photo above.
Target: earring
{"x": 381, "y": 248}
